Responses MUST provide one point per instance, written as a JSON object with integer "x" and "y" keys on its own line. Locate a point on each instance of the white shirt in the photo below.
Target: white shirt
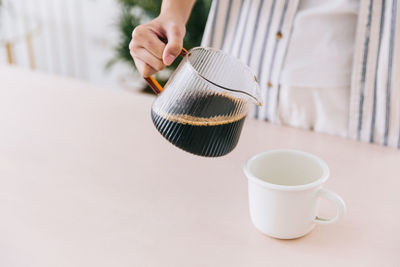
{"x": 326, "y": 65}
{"x": 316, "y": 75}
{"x": 320, "y": 51}
{"x": 311, "y": 88}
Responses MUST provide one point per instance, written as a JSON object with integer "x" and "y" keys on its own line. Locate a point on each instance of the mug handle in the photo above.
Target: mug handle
{"x": 154, "y": 85}
{"x": 340, "y": 206}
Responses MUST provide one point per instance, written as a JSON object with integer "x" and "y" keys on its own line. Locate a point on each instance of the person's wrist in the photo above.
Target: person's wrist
{"x": 170, "y": 17}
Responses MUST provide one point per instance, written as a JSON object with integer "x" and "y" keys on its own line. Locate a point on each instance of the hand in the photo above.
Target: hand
{"x": 149, "y": 52}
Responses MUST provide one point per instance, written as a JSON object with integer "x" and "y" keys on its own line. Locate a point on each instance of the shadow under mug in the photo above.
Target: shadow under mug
{"x": 284, "y": 189}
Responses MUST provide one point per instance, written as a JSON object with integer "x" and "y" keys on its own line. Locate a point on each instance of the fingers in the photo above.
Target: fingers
{"x": 146, "y": 49}
{"x": 174, "y": 46}
{"x": 147, "y": 57}
{"x": 154, "y": 45}
{"x": 144, "y": 36}
{"x": 143, "y": 68}
{"x": 149, "y": 52}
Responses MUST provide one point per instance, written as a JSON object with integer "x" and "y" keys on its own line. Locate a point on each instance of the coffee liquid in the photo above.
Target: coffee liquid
{"x": 208, "y": 131}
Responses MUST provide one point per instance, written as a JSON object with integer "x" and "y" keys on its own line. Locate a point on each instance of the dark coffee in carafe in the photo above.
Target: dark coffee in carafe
{"x": 204, "y": 125}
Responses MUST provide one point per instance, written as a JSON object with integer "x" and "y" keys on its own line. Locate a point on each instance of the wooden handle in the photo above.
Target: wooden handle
{"x": 154, "y": 85}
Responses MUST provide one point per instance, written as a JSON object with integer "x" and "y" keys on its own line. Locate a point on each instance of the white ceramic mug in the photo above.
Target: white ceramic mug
{"x": 284, "y": 188}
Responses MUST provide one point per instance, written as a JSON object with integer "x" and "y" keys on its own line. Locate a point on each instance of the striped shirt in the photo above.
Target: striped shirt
{"x": 258, "y": 32}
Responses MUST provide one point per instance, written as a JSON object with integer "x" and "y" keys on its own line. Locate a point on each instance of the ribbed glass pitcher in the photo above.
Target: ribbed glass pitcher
{"x": 205, "y": 102}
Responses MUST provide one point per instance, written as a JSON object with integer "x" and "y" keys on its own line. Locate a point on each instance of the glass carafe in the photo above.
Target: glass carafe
{"x": 205, "y": 102}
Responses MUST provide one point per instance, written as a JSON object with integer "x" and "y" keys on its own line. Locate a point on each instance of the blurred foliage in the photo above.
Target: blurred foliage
{"x": 135, "y": 12}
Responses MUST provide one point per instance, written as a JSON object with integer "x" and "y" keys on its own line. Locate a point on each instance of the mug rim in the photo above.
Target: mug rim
{"x": 322, "y": 179}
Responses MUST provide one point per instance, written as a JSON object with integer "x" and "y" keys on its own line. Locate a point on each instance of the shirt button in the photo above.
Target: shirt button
{"x": 269, "y": 84}
{"x": 279, "y": 35}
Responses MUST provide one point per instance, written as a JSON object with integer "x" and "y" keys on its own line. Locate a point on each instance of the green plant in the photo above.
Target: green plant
{"x": 135, "y": 12}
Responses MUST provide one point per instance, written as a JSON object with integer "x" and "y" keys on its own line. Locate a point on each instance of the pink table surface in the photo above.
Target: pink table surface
{"x": 86, "y": 180}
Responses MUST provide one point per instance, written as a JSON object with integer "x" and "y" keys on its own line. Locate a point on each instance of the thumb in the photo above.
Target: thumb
{"x": 174, "y": 45}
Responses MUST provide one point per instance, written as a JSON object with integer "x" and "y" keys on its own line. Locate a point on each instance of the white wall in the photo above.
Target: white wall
{"x": 70, "y": 37}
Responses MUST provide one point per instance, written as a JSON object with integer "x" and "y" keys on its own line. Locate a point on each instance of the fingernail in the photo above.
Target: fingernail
{"x": 169, "y": 59}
